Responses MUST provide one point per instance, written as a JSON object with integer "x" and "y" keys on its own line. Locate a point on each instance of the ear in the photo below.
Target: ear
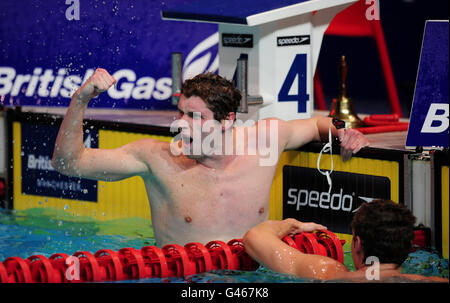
{"x": 357, "y": 244}
{"x": 228, "y": 121}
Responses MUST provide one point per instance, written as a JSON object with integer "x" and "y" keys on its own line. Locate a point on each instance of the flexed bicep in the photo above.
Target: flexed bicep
{"x": 110, "y": 164}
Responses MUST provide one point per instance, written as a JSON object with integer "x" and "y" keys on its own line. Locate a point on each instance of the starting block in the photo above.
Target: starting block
{"x": 269, "y": 47}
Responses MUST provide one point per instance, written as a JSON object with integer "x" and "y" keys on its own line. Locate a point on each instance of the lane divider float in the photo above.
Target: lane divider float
{"x": 172, "y": 260}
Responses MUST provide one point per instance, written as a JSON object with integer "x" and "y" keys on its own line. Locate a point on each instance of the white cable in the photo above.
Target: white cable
{"x": 327, "y": 147}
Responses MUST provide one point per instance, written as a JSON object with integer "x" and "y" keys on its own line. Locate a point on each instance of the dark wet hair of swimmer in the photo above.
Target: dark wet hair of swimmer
{"x": 219, "y": 94}
{"x": 386, "y": 230}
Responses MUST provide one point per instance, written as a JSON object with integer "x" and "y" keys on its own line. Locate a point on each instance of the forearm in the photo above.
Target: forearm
{"x": 70, "y": 157}
{"x": 277, "y": 228}
{"x": 263, "y": 243}
{"x": 302, "y": 131}
{"x": 260, "y": 238}
{"x": 69, "y": 143}
{"x": 266, "y": 229}
{"x": 323, "y": 126}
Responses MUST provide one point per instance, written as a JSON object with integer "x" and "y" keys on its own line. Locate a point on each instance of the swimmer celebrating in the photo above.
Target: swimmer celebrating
{"x": 381, "y": 229}
{"x": 193, "y": 197}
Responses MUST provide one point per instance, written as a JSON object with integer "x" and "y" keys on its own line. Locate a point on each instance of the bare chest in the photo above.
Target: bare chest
{"x": 212, "y": 194}
{"x": 197, "y": 204}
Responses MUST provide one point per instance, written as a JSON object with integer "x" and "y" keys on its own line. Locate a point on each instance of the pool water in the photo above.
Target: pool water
{"x": 47, "y": 231}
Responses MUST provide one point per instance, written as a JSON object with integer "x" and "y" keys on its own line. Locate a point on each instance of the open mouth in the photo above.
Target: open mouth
{"x": 187, "y": 140}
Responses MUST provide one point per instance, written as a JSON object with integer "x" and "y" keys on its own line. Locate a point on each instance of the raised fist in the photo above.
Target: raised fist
{"x": 99, "y": 82}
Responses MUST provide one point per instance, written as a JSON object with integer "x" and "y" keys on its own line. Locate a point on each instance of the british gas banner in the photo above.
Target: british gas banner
{"x": 39, "y": 178}
{"x": 48, "y": 48}
{"x": 429, "y": 121}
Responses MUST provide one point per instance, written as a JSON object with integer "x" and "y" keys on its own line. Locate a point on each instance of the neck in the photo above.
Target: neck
{"x": 216, "y": 162}
{"x": 383, "y": 267}
{"x": 223, "y": 155}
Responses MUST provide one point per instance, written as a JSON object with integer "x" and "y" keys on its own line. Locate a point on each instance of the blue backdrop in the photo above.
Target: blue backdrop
{"x": 429, "y": 120}
{"x": 44, "y": 57}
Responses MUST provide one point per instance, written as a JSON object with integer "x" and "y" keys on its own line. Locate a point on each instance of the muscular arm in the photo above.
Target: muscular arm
{"x": 301, "y": 131}
{"x": 296, "y": 133}
{"x": 263, "y": 243}
{"x": 70, "y": 157}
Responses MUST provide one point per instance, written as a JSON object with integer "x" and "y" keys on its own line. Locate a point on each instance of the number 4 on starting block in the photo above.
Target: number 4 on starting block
{"x": 282, "y": 41}
{"x": 297, "y": 71}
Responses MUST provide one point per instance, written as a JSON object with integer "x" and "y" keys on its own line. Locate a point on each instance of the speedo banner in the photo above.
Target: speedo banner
{"x": 48, "y": 48}
{"x": 306, "y": 196}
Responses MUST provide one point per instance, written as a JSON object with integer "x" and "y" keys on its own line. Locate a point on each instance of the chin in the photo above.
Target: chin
{"x": 197, "y": 158}
{"x": 189, "y": 155}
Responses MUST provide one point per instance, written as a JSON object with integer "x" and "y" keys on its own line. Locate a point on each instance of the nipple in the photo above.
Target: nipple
{"x": 261, "y": 210}
{"x": 187, "y": 219}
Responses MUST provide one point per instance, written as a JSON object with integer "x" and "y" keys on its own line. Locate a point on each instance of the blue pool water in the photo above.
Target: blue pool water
{"x": 45, "y": 232}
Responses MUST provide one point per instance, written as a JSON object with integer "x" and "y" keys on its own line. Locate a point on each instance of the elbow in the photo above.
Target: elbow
{"x": 246, "y": 240}
{"x": 55, "y": 162}
{"x": 65, "y": 165}
{"x": 249, "y": 241}
{"x": 58, "y": 164}
{"x": 57, "y": 159}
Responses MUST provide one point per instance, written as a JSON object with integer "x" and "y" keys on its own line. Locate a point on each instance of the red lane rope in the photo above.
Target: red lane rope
{"x": 151, "y": 262}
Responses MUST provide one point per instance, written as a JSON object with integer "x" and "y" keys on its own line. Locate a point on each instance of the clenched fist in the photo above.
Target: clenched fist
{"x": 99, "y": 82}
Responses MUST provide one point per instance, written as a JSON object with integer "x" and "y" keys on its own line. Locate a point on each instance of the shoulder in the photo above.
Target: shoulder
{"x": 321, "y": 267}
{"x": 424, "y": 278}
{"x": 143, "y": 145}
{"x": 146, "y": 148}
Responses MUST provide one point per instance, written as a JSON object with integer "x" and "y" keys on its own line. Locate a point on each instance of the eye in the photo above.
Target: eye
{"x": 197, "y": 115}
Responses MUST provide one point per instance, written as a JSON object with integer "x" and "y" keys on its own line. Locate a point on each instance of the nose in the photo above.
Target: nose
{"x": 186, "y": 121}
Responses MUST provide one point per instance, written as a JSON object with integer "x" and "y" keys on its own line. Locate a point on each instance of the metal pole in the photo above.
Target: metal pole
{"x": 241, "y": 79}
{"x": 177, "y": 59}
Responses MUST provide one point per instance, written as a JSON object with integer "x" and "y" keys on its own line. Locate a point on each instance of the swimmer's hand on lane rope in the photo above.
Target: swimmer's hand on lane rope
{"x": 351, "y": 140}
{"x": 297, "y": 227}
{"x": 99, "y": 82}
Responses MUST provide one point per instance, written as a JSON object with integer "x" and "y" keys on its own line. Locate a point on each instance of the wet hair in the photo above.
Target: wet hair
{"x": 386, "y": 230}
{"x": 219, "y": 94}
